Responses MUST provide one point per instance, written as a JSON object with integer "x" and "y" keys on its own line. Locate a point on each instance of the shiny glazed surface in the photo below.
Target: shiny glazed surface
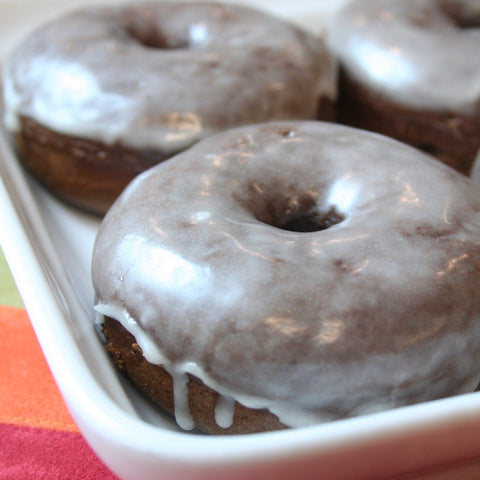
{"x": 163, "y": 75}
{"x": 419, "y": 53}
{"x": 378, "y": 309}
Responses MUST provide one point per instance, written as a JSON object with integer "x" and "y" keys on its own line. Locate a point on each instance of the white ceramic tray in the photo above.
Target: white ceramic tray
{"x": 48, "y": 247}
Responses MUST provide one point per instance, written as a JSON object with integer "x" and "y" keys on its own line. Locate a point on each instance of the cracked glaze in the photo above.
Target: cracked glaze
{"x": 419, "y": 53}
{"x": 163, "y": 75}
{"x": 378, "y": 310}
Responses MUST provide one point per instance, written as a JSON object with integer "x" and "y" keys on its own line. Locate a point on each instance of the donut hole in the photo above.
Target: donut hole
{"x": 301, "y": 214}
{"x": 312, "y": 221}
{"x": 463, "y": 23}
{"x": 446, "y": 13}
{"x": 462, "y": 18}
{"x": 155, "y": 38}
{"x": 145, "y": 31}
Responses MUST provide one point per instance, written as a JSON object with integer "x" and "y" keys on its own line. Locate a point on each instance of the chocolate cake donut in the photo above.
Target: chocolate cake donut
{"x": 103, "y": 93}
{"x": 290, "y": 273}
{"x": 411, "y": 70}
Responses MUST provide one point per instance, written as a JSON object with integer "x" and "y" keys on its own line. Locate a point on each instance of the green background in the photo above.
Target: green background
{"x": 8, "y": 291}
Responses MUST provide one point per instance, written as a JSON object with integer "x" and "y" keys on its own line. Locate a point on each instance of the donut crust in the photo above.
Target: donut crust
{"x": 86, "y": 173}
{"x": 156, "y": 383}
{"x": 452, "y": 138}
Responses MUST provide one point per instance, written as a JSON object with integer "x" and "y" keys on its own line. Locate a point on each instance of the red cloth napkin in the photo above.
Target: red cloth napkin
{"x": 38, "y": 438}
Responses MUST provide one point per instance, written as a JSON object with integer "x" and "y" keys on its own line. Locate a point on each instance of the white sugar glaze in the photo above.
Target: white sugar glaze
{"x": 94, "y": 74}
{"x": 377, "y": 311}
{"x": 418, "y": 53}
{"x": 224, "y": 411}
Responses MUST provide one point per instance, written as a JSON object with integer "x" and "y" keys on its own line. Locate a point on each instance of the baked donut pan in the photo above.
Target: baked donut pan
{"x": 48, "y": 247}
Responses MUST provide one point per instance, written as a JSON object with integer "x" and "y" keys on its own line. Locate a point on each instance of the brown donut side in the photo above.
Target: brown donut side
{"x": 452, "y": 138}
{"x": 156, "y": 383}
{"x": 86, "y": 173}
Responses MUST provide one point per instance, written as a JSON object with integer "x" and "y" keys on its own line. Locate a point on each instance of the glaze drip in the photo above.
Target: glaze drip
{"x": 224, "y": 411}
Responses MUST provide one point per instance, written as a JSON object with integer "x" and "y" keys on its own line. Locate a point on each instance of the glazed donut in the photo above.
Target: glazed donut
{"x": 102, "y": 94}
{"x": 299, "y": 272}
{"x": 410, "y": 70}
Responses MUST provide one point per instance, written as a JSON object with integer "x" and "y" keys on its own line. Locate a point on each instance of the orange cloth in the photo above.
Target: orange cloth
{"x": 38, "y": 438}
{"x": 28, "y": 394}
